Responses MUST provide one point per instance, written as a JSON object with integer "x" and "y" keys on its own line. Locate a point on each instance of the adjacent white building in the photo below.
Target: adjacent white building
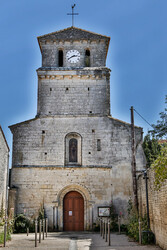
{"x": 4, "y": 170}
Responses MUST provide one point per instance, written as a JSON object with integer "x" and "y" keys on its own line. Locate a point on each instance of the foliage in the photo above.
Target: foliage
{"x": 41, "y": 213}
{"x": 130, "y": 206}
{"x": 8, "y": 237}
{"x": 133, "y": 225}
{"x": 151, "y": 149}
{"x": 10, "y": 224}
{"x": 114, "y": 218}
{"x": 160, "y": 168}
{"x": 21, "y": 223}
{"x": 2, "y": 211}
{"x": 160, "y": 129}
{"x": 96, "y": 227}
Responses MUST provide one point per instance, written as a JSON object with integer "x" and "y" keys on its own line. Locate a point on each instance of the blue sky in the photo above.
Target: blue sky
{"x": 137, "y": 54}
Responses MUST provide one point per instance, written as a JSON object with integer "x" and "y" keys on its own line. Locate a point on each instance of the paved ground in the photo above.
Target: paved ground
{"x": 75, "y": 241}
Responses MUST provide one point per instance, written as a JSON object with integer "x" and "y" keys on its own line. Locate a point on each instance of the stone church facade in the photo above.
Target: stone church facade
{"x": 73, "y": 156}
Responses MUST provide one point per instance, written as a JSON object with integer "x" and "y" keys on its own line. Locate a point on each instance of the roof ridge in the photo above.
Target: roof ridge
{"x": 118, "y": 120}
{"x": 72, "y": 27}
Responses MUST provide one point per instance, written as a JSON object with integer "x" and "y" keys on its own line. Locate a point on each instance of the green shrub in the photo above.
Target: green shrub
{"x": 41, "y": 213}
{"x": 96, "y": 228}
{"x": 2, "y": 211}
{"x": 21, "y": 223}
{"x": 133, "y": 228}
{"x": 114, "y": 219}
{"x": 10, "y": 223}
{"x": 8, "y": 237}
{"x": 124, "y": 228}
{"x": 1, "y": 238}
{"x": 160, "y": 168}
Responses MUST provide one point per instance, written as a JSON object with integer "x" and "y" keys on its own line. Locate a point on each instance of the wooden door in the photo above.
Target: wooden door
{"x": 73, "y": 212}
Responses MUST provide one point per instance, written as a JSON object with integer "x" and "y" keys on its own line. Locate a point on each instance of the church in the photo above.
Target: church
{"x": 73, "y": 157}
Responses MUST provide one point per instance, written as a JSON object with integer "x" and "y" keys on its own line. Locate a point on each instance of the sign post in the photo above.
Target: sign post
{"x": 104, "y": 214}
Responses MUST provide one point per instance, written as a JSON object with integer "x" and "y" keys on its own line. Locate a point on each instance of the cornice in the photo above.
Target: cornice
{"x": 70, "y": 73}
{"x": 68, "y": 77}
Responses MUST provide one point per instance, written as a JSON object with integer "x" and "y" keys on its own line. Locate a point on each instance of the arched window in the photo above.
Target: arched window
{"x": 60, "y": 58}
{"x": 73, "y": 151}
{"x": 73, "y": 148}
{"x": 87, "y": 58}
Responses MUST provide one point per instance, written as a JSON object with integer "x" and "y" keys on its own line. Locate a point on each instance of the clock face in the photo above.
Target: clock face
{"x": 73, "y": 56}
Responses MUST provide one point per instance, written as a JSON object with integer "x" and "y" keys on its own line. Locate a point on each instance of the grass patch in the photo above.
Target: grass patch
{"x": 8, "y": 237}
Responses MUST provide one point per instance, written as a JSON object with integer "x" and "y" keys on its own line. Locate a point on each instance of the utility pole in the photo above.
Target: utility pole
{"x": 133, "y": 160}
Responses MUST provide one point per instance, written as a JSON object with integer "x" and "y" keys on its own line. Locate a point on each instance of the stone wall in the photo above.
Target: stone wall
{"x": 40, "y": 172}
{"x": 48, "y": 185}
{"x": 74, "y": 92}
{"x": 97, "y": 52}
{"x": 4, "y": 155}
{"x": 157, "y": 207}
{"x": 41, "y": 141}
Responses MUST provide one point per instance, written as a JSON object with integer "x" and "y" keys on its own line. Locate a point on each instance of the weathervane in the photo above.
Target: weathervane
{"x": 72, "y": 14}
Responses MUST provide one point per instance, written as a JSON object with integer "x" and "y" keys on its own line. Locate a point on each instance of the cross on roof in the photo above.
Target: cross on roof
{"x": 72, "y": 14}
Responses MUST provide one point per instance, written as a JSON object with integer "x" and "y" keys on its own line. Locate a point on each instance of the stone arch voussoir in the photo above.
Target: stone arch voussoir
{"x": 74, "y": 187}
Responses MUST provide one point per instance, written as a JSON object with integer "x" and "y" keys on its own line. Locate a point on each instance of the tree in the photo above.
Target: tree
{"x": 160, "y": 129}
{"x": 151, "y": 149}
{"x": 160, "y": 168}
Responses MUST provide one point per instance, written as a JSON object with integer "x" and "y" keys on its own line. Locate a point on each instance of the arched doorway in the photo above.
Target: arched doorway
{"x": 73, "y": 212}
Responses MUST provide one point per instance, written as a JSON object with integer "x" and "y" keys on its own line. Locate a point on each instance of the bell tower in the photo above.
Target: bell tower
{"x": 73, "y": 79}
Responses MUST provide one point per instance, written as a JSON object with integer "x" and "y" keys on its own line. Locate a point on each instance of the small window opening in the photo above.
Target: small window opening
{"x": 67, "y": 89}
{"x": 45, "y": 153}
{"x": 43, "y": 131}
{"x": 89, "y": 153}
{"x": 98, "y": 145}
{"x": 90, "y": 112}
{"x": 93, "y": 130}
{"x": 50, "y": 89}
{"x": 73, "y": 148}
{"x": 88, "y": 89}
{"x": 87, "y": 58}
{"x": 60, "y": 58}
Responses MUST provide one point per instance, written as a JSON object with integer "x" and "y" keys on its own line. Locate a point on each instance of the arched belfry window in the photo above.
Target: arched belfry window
{"x": 60, "y": 58}
{"x": 73, "y": 149}
{"x": 87, "y": 58}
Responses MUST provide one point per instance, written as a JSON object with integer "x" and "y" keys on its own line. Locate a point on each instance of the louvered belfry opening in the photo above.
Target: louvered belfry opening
{"x": 60, "y": 58}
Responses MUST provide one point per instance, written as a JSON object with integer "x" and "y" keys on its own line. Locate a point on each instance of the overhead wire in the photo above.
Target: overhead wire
{"x": 143, "y": 118}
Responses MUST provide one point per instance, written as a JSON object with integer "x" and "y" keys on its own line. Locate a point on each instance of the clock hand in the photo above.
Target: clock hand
{"x": 72, "y": 56}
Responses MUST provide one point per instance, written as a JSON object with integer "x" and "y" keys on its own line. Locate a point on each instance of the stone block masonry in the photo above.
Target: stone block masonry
{"x": 41, "y": 141}
{"x": 48, "y": 185}
{"x": 157, "y": 207}
{"x": 40, "y": 173}
{"x": 69, "y": 92}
